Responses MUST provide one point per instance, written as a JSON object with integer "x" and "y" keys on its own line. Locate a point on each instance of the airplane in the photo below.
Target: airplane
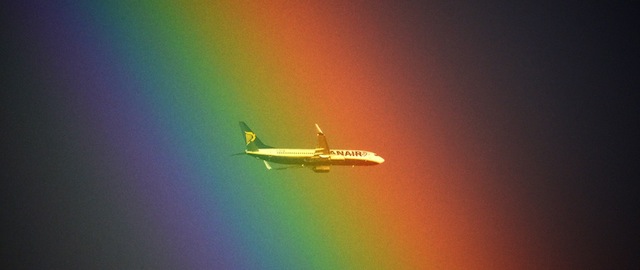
{"x": 319, "y": 159}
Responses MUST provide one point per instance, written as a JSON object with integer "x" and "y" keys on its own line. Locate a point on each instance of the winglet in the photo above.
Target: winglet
{"x": 322, "y": 148}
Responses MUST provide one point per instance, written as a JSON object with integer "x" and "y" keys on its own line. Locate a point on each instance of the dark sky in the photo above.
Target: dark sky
{"x": 560, "y": 78}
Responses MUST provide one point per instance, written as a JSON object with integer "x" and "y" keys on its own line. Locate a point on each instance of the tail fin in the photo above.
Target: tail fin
{"x": 251, "y": 139}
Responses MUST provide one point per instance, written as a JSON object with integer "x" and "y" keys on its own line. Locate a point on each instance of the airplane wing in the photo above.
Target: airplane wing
{"x": 322, "y": 148}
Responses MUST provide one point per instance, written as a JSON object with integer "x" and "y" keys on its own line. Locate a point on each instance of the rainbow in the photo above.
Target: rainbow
{"x": 148, "y": 96}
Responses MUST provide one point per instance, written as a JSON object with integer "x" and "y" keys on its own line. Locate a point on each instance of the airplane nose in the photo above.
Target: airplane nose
{"x": 379, "y": 159}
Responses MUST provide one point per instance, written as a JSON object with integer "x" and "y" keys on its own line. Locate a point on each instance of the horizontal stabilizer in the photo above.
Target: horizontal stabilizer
{"x": 267, "y": 164}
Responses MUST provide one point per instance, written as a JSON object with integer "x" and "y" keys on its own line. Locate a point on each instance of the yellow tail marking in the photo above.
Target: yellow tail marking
{"x": 249, "y": 137}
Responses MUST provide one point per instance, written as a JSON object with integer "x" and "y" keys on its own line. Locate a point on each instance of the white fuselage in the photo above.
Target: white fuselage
{"x": 308, "y": 157}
